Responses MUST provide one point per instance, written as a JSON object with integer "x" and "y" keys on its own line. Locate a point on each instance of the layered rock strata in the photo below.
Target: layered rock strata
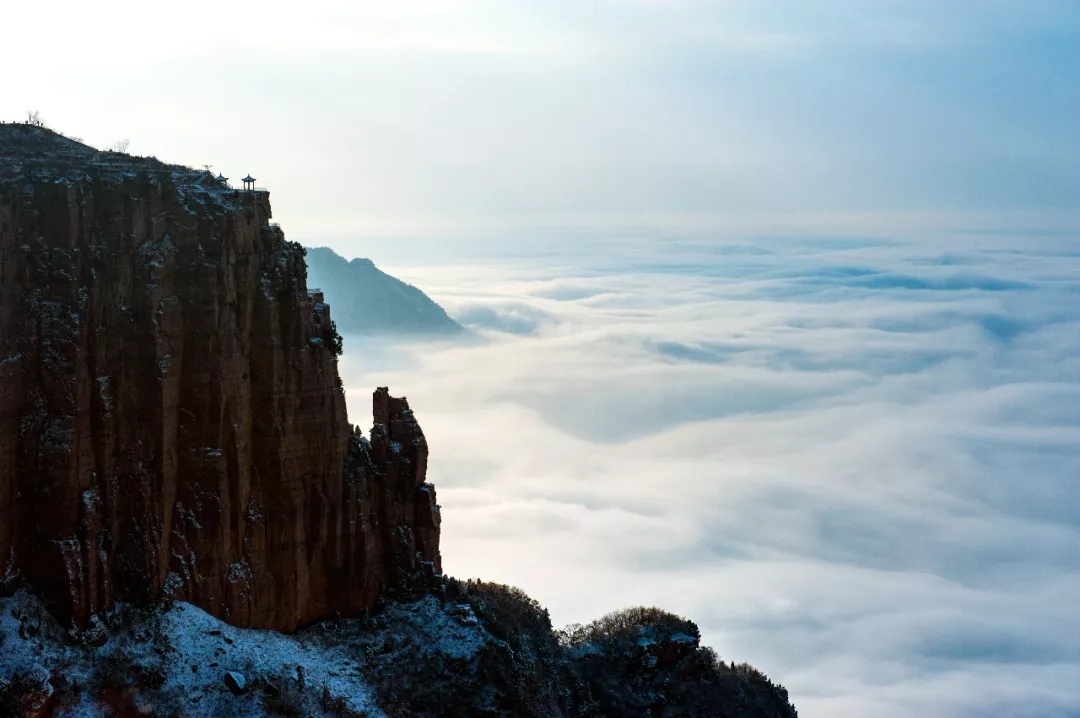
{"x": 172, "y": 422}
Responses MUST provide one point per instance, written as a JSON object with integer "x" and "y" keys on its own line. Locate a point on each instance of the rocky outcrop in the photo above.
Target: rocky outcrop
{"x": 172, "y": 423}
{"x": 370, "y": 301}
{"x": 476, "y": 649}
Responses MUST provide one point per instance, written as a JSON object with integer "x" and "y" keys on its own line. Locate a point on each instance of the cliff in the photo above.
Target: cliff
{"x": 178, "y": 474}
{"x": 370, "y": 301}
{"x": 172, "y": 423}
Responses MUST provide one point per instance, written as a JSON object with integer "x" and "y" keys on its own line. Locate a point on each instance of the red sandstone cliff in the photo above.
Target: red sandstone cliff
{"x": 171, "y": 417}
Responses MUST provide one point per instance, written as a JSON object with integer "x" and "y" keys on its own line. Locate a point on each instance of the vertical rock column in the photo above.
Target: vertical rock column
{"x": 171, "y": 417}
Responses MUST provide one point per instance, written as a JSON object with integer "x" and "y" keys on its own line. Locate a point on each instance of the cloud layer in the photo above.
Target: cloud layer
{"x": 853, "y": 462}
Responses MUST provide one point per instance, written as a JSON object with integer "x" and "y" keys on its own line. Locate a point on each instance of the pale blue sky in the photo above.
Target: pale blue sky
{"x": 465, "y": 116}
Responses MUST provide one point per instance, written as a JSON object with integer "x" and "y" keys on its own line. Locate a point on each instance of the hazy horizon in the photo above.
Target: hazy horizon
{"x": 469, "y": 117}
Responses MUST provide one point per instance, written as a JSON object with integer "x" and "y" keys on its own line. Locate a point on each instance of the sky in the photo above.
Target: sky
{"x": 426, "y": 118}
{"x": 773, "y": 304}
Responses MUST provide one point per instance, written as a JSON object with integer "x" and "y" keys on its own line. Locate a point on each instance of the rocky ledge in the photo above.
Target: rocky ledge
{"x": 468, "y": 649}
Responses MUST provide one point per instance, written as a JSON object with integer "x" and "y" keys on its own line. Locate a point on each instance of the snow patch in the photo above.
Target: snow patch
{"x": 183, "y": 661}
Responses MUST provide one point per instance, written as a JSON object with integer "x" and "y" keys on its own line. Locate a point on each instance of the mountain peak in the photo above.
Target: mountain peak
{"x": 370, "y": 301}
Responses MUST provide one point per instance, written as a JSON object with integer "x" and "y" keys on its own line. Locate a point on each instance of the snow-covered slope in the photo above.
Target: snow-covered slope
{"x": 183, "y": 661}
{"x": 470, "y": 649}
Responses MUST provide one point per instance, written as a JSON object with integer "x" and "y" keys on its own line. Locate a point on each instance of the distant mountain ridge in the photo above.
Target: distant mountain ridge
{"x": 367, "y": 300}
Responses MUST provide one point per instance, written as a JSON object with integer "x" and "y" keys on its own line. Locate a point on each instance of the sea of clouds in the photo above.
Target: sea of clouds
{"x": 855, "y": 463}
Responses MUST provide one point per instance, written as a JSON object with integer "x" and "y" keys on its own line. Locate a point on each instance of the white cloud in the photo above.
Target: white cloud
{"x": 853, "y": 462}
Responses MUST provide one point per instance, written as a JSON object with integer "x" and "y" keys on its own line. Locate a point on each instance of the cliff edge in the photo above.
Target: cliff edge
{"x": 172, "y": 423}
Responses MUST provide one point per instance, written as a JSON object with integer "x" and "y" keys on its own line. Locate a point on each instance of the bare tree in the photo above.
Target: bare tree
{"x": 120, "y": 146}
{"x": 33, "y": 118}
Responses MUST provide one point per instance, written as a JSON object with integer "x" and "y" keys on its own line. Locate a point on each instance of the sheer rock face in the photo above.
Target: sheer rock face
{"x": 172, "y": 423}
